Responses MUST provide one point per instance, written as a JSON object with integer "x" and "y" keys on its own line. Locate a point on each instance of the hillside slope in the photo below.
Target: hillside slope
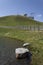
{"x": 17, "y": 20}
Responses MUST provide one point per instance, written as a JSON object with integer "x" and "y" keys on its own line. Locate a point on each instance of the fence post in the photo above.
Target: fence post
{"x": 34, "y": 27}
{"x": 30, "y": 27}
{"x": 38, "y": 28}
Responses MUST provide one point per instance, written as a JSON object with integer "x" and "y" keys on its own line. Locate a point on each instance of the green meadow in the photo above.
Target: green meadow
{"x": 35, "y": 38}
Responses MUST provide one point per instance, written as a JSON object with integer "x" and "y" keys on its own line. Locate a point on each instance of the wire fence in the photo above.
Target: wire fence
{"x": 30, "y": 27}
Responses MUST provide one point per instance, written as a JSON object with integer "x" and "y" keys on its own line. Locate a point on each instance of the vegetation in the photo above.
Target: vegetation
{"x": 35, "y": 38}
{"x": 17, "y": 20}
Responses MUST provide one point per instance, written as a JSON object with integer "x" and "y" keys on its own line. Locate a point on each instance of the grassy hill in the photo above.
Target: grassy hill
{"x": 18, "y": 20}
{"x": 33, "y": 37}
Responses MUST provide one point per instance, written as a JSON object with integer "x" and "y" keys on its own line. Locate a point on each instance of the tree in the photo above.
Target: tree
{"x": 25, "y": 14}
{"x": 32, "y": 15}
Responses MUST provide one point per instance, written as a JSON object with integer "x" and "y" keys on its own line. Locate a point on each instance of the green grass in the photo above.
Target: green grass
{"x": 17, "y": 20}
{"x": 35, "y": 38}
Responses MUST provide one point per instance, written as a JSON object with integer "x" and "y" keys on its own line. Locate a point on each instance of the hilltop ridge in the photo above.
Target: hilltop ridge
{"x": 13, "y": 20}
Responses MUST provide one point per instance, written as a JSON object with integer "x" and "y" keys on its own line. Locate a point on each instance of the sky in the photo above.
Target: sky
{"x": 20, "y": 7}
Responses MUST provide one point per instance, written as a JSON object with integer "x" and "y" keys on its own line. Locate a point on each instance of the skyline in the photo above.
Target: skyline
{"x": 15, "y": 7}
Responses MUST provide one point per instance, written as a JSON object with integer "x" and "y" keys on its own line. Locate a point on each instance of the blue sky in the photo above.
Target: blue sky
{"x": 14, "y": 7}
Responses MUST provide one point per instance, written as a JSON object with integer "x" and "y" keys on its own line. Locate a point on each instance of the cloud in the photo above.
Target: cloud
{"x": 39, "y": 15}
